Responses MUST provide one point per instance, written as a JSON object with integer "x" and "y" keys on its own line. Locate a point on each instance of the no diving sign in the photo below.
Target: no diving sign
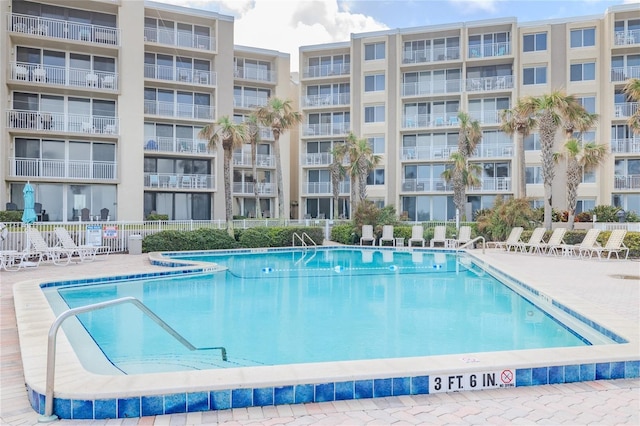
{"x": 472, "y": 381}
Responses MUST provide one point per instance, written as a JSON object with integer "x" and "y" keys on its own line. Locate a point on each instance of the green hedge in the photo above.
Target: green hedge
{"x": 10, "y": 216}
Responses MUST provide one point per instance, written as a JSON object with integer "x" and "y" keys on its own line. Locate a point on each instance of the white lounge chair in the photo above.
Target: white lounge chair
{"x": 534, "y": 240}
{"x": 590, "y": 241}
{"x": 555, "y": 241}
{"x": 417, "y": 235}
{"x": 439, "y": 235}
{"x": 367, "y": 235}
{"x": 387, "y": 235}
{"x": 85, "y": 253}
{"x": 42, "y": 250}
{"x": 513, "y": 240}
{"x": 614, "y": 244}
{"x": 10, "y": 260}
{"x": 464, "y": 235}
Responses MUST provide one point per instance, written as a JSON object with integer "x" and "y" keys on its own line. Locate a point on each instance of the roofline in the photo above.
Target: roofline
{"x": 187, "y": 10}
{"x": 259, "y": 50}
{"x": 314, "y": 47}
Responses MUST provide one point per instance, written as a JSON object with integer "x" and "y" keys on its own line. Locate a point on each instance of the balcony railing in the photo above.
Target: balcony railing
{"x": 489, "y": 50}
{"x": 500, "y": 150}
{"x": 431, "y": 87}
{"x": 626, "y": 182}
{"x": 179, "y": 38}
{"x": 247, "y": 188}
{"x": 255, "y": 74}
{"x": 181, "y": 75}
{"x": 169, "y": 144}
{"x": 624, "y": 73}
{"x": 249, "y": 101}
{"x": 499, "y": 184}
{"x": 170, "y": 109}
{"x": 626, "y": 146}
{"x": 326, "y": 100}
{"x": 430, "y": 120}
{"x": 324, "y": 188}
{"x": 59, "y": 122}
{"x": 178, "y": 181}
{"x": 243, "y": 159}
{"x": 428, "y": 152}
{"x": 431, "y": 55}
{"x": 424, "y": 185}
{"x": 60, "y": 29}
{"x": 265, "y": 133}
{"x": 622, "y": 38}
{"x": 316, "y": 159}
{"x": 63, "y": 169}
{"x": 487, "y": 116}
{"x": 63, "y": 76}
{"x": 626, "y": 109}
{"x": 489, "y": 83}
{"x": 326, "y": 129}
{"x": 315, "y": 71}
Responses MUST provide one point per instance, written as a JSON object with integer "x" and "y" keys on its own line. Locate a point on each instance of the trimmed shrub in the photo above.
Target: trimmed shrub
{"x": 344, "y": 234}
{"x": 255, "y": 237}
{"x": 10, "y": 216}
{"x": 200, "y": 239}
{"x": 156, "y": 216}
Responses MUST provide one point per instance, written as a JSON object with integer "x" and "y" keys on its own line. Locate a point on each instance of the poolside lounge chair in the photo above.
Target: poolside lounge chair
{"x": 85, "y": 253}
{"x": 512, "y": 241}
{"x": 367, "y": 235}
{"x": 614, "y": 244}
{"x": 11, "y": 260}
{"x": 534, "y": 240}
{"x": 417, "y": 235}
{"x": 439, "y": 235}
{"x": 464, "y": 236}
{"x": 387, "y": 235}
{"x": 42, "y": 251}
{"x": 589, "y": 242}
{"x": 555, "y": 241}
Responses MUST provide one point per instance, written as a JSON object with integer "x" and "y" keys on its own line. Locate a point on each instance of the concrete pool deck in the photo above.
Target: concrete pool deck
{"x": 606, "y": 291}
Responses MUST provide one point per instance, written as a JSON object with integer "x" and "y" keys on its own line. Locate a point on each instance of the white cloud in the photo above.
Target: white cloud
{"x": 285, "y": 25}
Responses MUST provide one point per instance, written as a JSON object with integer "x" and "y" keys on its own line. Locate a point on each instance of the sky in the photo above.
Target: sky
{"x": 285, "y": 25}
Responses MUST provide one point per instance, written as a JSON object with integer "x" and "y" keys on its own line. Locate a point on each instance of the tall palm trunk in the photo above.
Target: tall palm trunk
{"x": 228, "y": 200}
{"x": 522, "y": 170}
{"x": 547, "y": 129}
{"x": 574, "y": 175}
{"x": 254, "y": 155}
{"x": 279, "y": 180}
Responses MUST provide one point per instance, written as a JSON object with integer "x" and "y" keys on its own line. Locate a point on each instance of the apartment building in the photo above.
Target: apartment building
{"x": 105, "y": 100}
{"x": 402, "y": 90}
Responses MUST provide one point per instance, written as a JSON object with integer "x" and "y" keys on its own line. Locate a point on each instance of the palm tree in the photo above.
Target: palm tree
{"x": 232, "y": 136}
{"x": 519, "y": 120}
{"x": 338, "y": 172}
{"x": 550, "y": 111}
{"x": 253, "y": 134}
{"x": 632, "y": 90}
{"x": 363, "y": 161}
{"x": 278, "y": 115}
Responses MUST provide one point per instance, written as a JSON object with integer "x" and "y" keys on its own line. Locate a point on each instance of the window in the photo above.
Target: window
{"x": 534, "y": 42}
{"x": 533, "y": 174}
{"x": 374, "y": 51}
{"x": 534, "y": 75}
{"x": 588, "y": 176}
{"x": 532, "y": 142}
{"x": 585, "y": 205}
{"x": 376, "y": 177}
{"x": 583, "y": 37}
{"x": 583, "y": 72}
{"x": 588, "y": 103}
{"x": 374, "y": 114}
{"x": 374, "y": 83}
{"x": 377, "y": 144}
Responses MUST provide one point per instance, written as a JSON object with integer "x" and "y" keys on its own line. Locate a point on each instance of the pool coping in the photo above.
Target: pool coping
{"x": 81, "y": 394}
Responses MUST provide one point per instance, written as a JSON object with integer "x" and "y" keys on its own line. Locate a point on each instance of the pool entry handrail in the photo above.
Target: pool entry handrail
{"x": 53, "y": 331}
{"x": 301, "y": 238}
{"x": 471, "y": 242}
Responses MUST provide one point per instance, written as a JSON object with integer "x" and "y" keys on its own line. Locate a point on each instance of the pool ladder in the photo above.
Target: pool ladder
{"x": 301, "y": 237}
{"x": 48, "y": 415}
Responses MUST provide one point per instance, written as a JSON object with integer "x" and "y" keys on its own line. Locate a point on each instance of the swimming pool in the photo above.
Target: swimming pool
{"x": 79, "y": 394}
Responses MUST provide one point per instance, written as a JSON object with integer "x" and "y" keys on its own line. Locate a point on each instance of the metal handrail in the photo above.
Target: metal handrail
{"x": 468, "y": 243}
{"x": 53, "y": 331}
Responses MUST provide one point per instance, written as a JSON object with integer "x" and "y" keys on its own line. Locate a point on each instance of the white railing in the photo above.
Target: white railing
{"x": 265, "y": 133}
{"x": 500, "y": 184}
{"x": 326, "y": 129}
{"x": 316, "y": 188}
{"x": 326, "y": 100}
{"x": 316, "y": 159}
{"x": 493, "y": 150}
{"x": 247, "y": 188}
{"x": 626, "y": 37}
{"x": 184, "y": 145}
{"x": 56, "y": 28}
{"x": 249, "y": 101}
{"x": 624, "y": 73}
{"x": 262, "y": 160}
{"x": 422, "y": 185}
{"x": 170, "y": 109}
{"x": 489, "y": 83}
{"x": 182, "y": 75}
{"x": 431, "y": 87}
{"x": 326, "y": 70}
{"x": 430, "y": 55}
{"x": 65, "y": 169}
{"x": 59, "y": 122}
{"x": 490, "y": 116}
{"x": 63, "y": 76}
{"x": 626, "y": 145}
{"x": 626, "y": 182}
{"x": 487, "y": 50}
{"x": 178, "y": 38}
{"x": 430, "y": 120}
{"x": 178, "y": 181}
{"x": 625, "y": 109}
{"x": 437, "y": 152}
{"x": 256, "y": 74}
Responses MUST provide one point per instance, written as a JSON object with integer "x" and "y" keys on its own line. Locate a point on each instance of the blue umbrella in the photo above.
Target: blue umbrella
{"x": 29, "y": 213}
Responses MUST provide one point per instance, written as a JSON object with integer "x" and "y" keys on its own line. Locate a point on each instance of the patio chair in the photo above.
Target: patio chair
{"x": 464, "y": 236}
{"x": 417, "y": 235}
{"x": 512, "y": 241}
{"x": 554, "y": 242}
{"x": 534, "y": 240}
{"x": 367, "y": 235}
{"x": 12, "y": 260}
{"x": 85, "y": 253}
{"x": 387, "y": 235}
{"x": 42, "y": 251}
{"x": 589, "y": 241}
{"x": 439, "y": 235}
{"x": 614, "y": 244}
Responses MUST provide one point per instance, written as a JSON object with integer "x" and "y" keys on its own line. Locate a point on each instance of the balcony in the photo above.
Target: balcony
{"x": 66, "y": 30}
{"x": 315, "y": 71}
{"x": 179, "y": 38}
{"x": 265, "y": 133}
{"x": 499, "y": 150}
{"x": 53, "y": 122}
{"x": 243, "y": 159}
{"x": 326, "y": 129}
{"x": 249, "y": 102}
{"x": 178, "y": 110}
{"x": 178, "y": 181}
{"x": 498, "y": 184}
{"x": 426, "y": 185}
{"x": 431, "y": 55}
{"x": 625, "y": 146}
{"x": 335, "y": 99}
{"x": 63, "y": 169}
{"x": 626, "y": 182}
{"x": 180, "y": 75}
{"x": 625, "y": 38}
{"x": 431, "y": 87}
{"x": 63, "y": 76}
{"x": 487, "y": 116}
{"x": 324, "y": 188}
{"x": 174, "y": 145}
{"x": 624, "y": 73}
{"x": 247, "y": 188}
{"x": 489, "y": 50}
{"x": 316, "y": 159}
{"x": 428, "y": 153}
{"x": 625, "y": 109}
{"x": 487, "y": 84}
{"x": 430, "y": 120}
{"x": 255, "y": 74}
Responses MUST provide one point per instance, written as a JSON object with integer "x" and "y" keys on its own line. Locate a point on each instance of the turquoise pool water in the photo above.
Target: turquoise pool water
{"x": 296, "y": 306}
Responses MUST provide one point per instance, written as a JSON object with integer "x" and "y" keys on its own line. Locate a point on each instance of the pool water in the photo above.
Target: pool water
{"x": 290, "y": 307}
